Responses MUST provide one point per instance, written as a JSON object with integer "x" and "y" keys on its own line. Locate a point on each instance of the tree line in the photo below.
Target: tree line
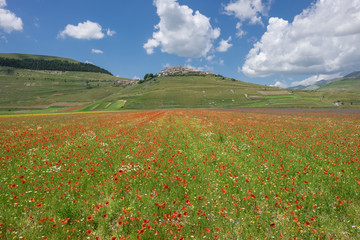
{"x": 52, "y": 65}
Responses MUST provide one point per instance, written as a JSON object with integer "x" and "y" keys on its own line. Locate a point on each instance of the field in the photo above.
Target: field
{"x": 181, "y": 174}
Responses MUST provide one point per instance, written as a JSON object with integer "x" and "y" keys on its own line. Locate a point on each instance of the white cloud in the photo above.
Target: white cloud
{"x": 86, "y": 30}
{"x": 280, "y": 84}
{"x": 181, "y": 31}
{"x": 315, "y": 78}
{"x": 240, "y": 31}
{"x": 9, "y": 21}
{"x": 224, "y": 45}
{"x": 2, "y": 3}
{"x": 4, "y": 39}
{"x": 204, "y": 68}
{"x": 110, "y": 33}
{"x": 97, "y": 51}
{"x": 210, "y": 57}
{"x": 323, "y": 39}
{"x": 246, "y": 10}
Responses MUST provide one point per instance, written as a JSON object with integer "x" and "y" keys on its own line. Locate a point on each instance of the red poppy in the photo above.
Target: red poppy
{"x": 272, "y": 225}
{"x": 89, "y": 218}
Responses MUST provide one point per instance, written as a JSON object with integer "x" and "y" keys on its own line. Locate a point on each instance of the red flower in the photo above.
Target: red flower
{"x": 89, "y": 218}
{"x": 88, "y": 232}
{"x": 272, "y": 225}
{"x": 307, "y": 224}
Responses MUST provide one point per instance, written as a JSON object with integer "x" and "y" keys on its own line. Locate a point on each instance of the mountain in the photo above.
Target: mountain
{"x": 321, "y": 83}
{"x": 39, "y": 62}
{"x": 353, "y": 75}
{"x": 314, "y": 86}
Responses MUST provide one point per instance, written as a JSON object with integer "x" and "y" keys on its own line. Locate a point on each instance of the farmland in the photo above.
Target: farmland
{"x": 181, "y": 174}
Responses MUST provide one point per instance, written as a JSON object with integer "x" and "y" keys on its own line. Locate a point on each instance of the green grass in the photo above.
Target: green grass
{"x": 23, "y": 88}
{"x": 196, "y": 174}
{"x": 37, "y": 57}
{"x": 197, "y": 92}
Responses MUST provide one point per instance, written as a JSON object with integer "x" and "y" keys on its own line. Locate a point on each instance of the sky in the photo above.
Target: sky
{"x": 273, "y": 42}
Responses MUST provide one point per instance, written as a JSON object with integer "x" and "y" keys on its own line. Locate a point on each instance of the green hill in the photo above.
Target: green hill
{"x": 52, "y": 91}
{"x": 345, "y": 91}
{"x": 21, "y": 56}
{"x": 43, "y": 91}
{"x": 39, "y": 62}
{"x": 210, "y": 91}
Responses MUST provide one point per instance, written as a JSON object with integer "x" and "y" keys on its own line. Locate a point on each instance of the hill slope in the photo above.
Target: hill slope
{"x": 20, "y": 56}
{"x": 345, "y": 91}
{"x": 49, "y": 91}
{"x": 211, "y": 91}
{"x": 54, "y": 91}
{"x": 39, "y": 62}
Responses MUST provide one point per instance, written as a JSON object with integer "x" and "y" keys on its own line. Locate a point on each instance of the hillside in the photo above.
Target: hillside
{"x": 345, "y": 91}
{"x": 21, "y": 56}
{"x": 39, "y": 62}
{"x": 39, "y": 91}
{"x": 211, "y": 91}
{"x": 52, "y": 91}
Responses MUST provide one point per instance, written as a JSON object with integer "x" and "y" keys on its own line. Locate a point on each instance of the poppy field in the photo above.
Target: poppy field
{"x": 181, "y": 174}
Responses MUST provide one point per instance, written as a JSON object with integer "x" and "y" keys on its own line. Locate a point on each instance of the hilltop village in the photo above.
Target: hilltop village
{"x": 181, "y": 71}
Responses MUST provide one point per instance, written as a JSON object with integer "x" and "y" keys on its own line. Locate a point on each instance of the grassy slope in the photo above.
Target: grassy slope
{"x": 346, "y": 90}
{"x": 22, "y": 87}
{"x": 29, "y": 87}
{"x": 210, "y": 91}
{"x": 39, "y": 57}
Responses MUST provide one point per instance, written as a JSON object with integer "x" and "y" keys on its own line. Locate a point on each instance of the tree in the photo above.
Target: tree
{"x": 148, "y": 76}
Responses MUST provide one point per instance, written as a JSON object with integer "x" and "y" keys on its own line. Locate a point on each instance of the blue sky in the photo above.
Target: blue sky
{"x": 272, "y": 42}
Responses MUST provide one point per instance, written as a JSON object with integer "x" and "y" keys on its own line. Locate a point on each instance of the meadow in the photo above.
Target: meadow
{"x": 181, "y": 174}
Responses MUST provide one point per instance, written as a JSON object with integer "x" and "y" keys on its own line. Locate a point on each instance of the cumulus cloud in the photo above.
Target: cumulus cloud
{"x": 280, "y": 84}
{"x": 9, "y": 21}
{"x": 86, "y": 30}
{"x": 224, "y": 45}
{"x": 323, "y": 39}
{"x": 181, "y": 31}
{"x": 97, "y": 51}
{"x": 246, "y": 10}
{"x": 2, "y": 3}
